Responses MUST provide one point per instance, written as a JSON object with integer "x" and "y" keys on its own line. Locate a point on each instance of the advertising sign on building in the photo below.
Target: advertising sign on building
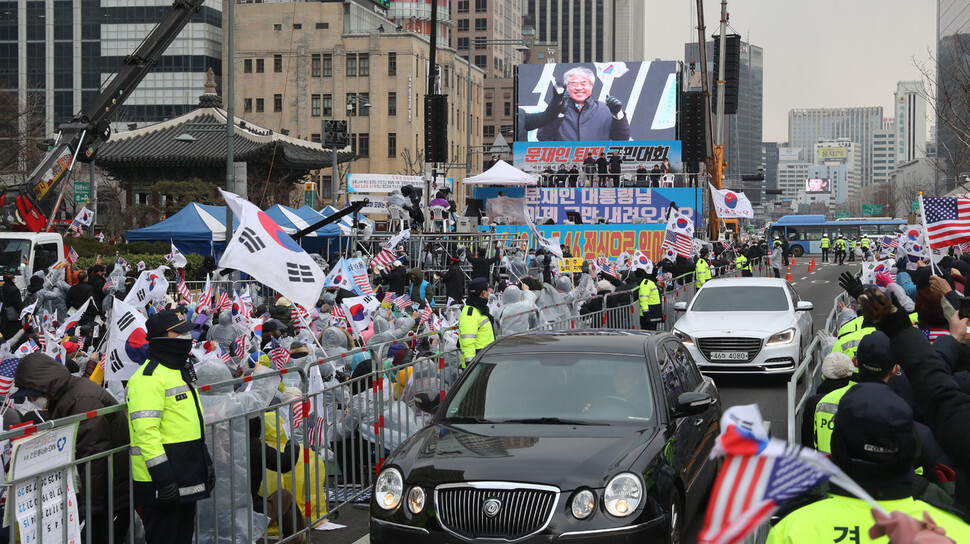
{"x": 832, "y": 153}
{"x": 616, "y": 100}
{"x": 385, "y": 183}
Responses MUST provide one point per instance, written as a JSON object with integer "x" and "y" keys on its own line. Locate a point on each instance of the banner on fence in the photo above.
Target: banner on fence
{"x": 593, "y": 241}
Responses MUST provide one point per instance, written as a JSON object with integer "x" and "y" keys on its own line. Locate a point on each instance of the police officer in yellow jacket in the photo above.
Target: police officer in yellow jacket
{"x": 651, "y": 309}
{"x": 875, "y": 444}
{"x": 744, "y": 265}
{"x": 702, "y": 271}
{"x": 840, "y": 250}
{"x": 475, "y": 324}
{"x": 825, "y": 244}
{"x": 170, "y": 463}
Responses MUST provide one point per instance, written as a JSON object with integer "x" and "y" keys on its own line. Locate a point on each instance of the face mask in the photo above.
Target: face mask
{"x": 185, "y": 335}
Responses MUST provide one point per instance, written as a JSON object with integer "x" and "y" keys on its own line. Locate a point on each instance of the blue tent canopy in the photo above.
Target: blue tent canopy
{"x": 196, "y": 228}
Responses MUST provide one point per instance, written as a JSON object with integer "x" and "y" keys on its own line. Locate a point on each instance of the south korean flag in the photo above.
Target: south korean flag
{"x": 263, "y": 250}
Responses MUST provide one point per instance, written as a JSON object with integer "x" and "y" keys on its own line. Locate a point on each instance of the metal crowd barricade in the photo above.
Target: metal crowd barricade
{"x": 808, "y": 374}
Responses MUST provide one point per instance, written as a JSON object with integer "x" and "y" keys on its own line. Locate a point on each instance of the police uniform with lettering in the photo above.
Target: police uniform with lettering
{"x": 475, "y": 323}
{"x": 170, "y": 463}
{"x": 825, "y": 243}
{"x": 875, "y": 444}
{"x": 651, "y": 310}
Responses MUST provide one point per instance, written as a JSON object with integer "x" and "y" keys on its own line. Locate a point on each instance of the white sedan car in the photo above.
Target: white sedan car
{"x": 745, "y": 325}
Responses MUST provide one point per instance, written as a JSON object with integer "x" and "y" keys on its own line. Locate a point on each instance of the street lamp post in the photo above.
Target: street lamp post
{"x": 468, "y": 95}
{"x": 352, "y": 103}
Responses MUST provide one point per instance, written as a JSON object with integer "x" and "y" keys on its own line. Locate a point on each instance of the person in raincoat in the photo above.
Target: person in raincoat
{"x": 518, "y": 311}
{"x": 225, "y": 332}
{"x": 228, "y": 511}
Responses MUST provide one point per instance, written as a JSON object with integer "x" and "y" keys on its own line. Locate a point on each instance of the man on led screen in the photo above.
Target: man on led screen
{"x": 580, "y": 117}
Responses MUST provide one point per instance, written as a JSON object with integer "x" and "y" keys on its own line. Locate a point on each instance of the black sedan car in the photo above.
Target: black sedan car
{"x": 558, "y": 436}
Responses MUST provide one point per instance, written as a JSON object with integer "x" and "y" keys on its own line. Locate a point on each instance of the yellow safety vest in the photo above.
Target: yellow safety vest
{"x": 702, "y": 272}
{"x": 167, "y": 434}
{"x": 474, "y": 332}
{"x": 840, "y": 244}
{"x": 649, "y": 295}
{"x": 743, "y": 263}
{"x": 849, "y": 343}
{"x": 865, "y": 242}
{"x": 825, "y": 418}
{"x": 846, "y": 520}
{"x": 824, "y": 242}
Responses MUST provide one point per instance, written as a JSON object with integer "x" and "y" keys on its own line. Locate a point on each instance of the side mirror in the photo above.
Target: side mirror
{"x": 680, "y": 306}
{"x": 803, "y": 306}
{"x": 692, "y": 403}
{"x": 426, "y": 403}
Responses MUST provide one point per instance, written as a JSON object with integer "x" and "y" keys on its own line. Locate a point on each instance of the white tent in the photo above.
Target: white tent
{"x": 502, "y": 173}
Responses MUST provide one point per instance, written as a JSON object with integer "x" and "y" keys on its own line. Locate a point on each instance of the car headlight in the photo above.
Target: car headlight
{"x": 687, "y": 340}
{"x": 584, "y": 503}
{"x": 784, "y": 337}
{"x": 389, "y": 488}
{"x": 416, "y": 500}
{"x": 623, "y": 494}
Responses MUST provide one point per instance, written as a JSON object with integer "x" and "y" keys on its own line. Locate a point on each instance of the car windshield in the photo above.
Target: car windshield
{"x": 12, "y": 254}
{"x": 741, "y": 299}
{"x": 555, "y": 388}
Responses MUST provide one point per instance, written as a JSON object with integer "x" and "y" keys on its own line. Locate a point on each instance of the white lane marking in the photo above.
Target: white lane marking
{"x": 805, "y": 278}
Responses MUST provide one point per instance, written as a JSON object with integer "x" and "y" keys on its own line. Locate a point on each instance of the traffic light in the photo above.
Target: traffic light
{"x": 692, "y": 128}
{"x": 436, "y": 127}
{"x": 334, "y": 134}
{"x": 732, "y": 72}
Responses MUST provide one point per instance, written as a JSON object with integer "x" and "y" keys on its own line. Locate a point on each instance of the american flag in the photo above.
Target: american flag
{"x": 759, "y": 475}
{"x": 965, "y": 247}
{"x": 8, "y": 368}
{"x": 889, "y": 242}
{"x": 425, "y": 314}
{"x": 224, "y": 355}
{"x": 403, "y": 302}
{"x": 224, "y": 303}
{"x": 933, "y": 333}
{"x": 316, "y": 431}
{"x": 296, "y": 313}
{"x": 185, "y": 296}
{"x": 205, "y": 298}
{"x": 72, "y": 255}
{"x": 384, "y": 258}
{"x": 947, "y": 221}
{"x": 279, "y": 355}
{"x": 362, "y": 281}
{"x": 337, "y": 314}
{"x": 389, "y": 296}
{"x": 239, "y": 347}
{"x": 299, "y": 411}
{"x": 679, "y": 242}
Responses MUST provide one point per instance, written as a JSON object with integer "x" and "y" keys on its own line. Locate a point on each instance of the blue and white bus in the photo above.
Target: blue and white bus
{"x": 805, "y": 231}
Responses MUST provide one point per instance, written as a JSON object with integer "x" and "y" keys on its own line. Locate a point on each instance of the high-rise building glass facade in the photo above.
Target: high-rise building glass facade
{"x": 952, "y": 117}
{"x": 807, "y": 126}
{"x": 590, "y": 30}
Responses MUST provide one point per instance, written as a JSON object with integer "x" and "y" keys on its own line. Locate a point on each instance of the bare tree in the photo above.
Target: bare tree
{"x": 948, "y": 93}
{"x": 21, "y": 133}
{"x": 413, "y": 162}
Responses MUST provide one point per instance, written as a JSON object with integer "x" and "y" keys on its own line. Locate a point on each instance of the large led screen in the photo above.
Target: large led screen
{"x": 597, "y": 101}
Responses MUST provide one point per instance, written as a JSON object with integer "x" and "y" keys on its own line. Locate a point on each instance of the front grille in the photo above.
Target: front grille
{"x": 524, "y": 510}
{"x": 751, "y": 346}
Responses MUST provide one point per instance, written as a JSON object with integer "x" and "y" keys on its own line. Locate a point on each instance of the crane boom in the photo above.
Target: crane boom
{"x": 27, "y": 205}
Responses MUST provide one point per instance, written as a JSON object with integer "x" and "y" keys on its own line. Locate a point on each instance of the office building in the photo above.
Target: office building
{"x": 375, "y": 80}
{"x": 858, "y": 124}
{"x": 415, "y": 16}
{"x": 769, "y": 161}
{"x": 793, "y": 168}
{"x": 477, "y": 23}
{"x": 884, "y": 151}
{"x": 841, "y": 161}
{"x": 952, "y": 114}
{"x": 743, "y": 131}
{"x": 590, "y": 30}
{"x": 55, "y": 56}
{"x": 910, "y": 108}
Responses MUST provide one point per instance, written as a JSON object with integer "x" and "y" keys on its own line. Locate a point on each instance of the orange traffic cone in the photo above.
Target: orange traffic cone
{"x": 788, "y": 274}
{"x": 811, "y": 267}
{"x": 793, "y": 260}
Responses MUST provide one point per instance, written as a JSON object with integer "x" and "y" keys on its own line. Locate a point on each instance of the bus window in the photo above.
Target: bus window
{"x": 869, "y": 229}
{"x": 847, "y": 231}
{"x": 888, "y": 229}
{"x": 777, "y": 232}
{"x": 794, "y": 234}
{"x": 812, "y": 234}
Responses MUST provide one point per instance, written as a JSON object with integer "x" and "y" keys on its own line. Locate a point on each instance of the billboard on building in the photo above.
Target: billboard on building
{"x": 597, "y": 101}
{"x": 814, "y": 186}
{"x": 832, "y": 153}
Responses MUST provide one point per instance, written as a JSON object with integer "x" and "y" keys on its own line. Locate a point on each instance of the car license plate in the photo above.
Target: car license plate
{"x": 729, "y": 355}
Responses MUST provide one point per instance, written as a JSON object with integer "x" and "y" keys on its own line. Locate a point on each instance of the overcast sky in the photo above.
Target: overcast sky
{"x": 819, "y": 54}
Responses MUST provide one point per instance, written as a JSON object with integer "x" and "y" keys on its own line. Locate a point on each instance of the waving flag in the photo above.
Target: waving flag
{"x": 72, "y": 256}
{"x": 240, "y": 315}
{"x": 759, "y": 475}
{"x": 641, "y": 261}
{"x": 339, "y": 277}
{"x": 224, "y": 304}
{"x": 549, "y": 244}
{"x": 358, "y": 311}
{"x": 263, "y": 250}
{"x": 28, "y": 310}
{"x": 74, "y": 318}
{"x": 358, "y": 274}
{"x": 386, "y": 255}
{"x": 176, "y": 258}
{"x": 730, "y": 204}
{"x": 127, "y": 347}
{"x": 679, "y": 234}
{"x": 425, "y": 315}
{"x": 278, "y": 354}
{"x": 337, "y": 314}
{"x": 185, "y": 296}
{"x": 403, "y": 302}
{"x": 8, "y": 369}
{"x": 205, "y": 299}
{"x": 239, "y": 347}
{"x": 947, "y": 220}
{"x": 151, "y": 286}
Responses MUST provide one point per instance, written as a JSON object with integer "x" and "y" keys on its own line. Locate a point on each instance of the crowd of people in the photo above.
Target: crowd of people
{"x": 603, "y": 171}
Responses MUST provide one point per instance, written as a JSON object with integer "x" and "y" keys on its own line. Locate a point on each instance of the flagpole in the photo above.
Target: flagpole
{"x": 926, "y": 235}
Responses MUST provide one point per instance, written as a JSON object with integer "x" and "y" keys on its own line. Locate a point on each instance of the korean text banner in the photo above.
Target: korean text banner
{"x": 597, "y": 101}
{"x": 385, "y": 183}
{"x": 534, "y": 157}
{"x": 616, "y": 205}
{"x": 594, "y": 241}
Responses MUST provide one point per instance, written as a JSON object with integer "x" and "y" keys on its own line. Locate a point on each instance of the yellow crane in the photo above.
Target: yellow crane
{"x": 715, "y": 145}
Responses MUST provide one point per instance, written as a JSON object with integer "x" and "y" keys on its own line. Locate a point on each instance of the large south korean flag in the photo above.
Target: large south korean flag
{"x": 263, "y": 250}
